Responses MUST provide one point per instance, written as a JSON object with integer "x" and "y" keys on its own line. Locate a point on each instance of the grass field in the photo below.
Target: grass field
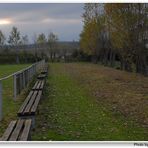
{"x": 10, "y": 107}
{"x": 90, "y": 102}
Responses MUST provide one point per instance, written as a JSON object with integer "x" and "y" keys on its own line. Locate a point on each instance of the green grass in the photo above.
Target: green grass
{"x": 10, "y": 107}
{"x": 68, "y": 111}
{"x": 5, "y": 70}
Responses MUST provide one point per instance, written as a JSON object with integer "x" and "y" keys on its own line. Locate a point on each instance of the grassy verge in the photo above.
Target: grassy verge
{"x": 10, "y": 107}
{"x": 9, "y": 69}
{"x": 69, "y": 111}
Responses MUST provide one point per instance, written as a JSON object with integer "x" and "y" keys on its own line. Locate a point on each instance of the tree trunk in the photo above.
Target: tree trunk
{"x": 141, "y": 65}
{"x": 111, "y": 59}
{"x": 94, "y": 59}
{"x": 17, "y": 59}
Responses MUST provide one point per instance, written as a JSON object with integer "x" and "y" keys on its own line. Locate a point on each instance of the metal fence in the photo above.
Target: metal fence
{"x": 20, "y": 80}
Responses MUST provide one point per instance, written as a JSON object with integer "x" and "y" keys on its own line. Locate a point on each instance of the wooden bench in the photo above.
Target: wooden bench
{"x": 39, "y": 85}
{"x": 45, "y": 69}
{"x": 29, "y": 107}
{"x": 42, "y": 76}
{"x": 18, "y": 130}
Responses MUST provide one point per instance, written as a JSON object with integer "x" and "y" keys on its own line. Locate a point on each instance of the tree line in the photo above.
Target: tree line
{"x": 116, "y": 34}
{"x": 10, "y": 48}
{"x": 18, "y": 49}
{"x": 16, "y": 39}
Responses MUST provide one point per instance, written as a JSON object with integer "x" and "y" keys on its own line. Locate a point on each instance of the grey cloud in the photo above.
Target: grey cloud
{"x": 53, "y": 10}
{"x": 64, "y": 19}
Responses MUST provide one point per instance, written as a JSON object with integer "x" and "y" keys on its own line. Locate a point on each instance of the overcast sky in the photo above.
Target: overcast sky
{"x": 63, "y": 19}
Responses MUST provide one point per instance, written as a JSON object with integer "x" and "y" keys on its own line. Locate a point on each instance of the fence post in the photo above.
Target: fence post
{"x": 23, "y": 79}
{"x": 1, "y": 101}
{"x": 14, "y": 86}
{"x": 29, "y": 74}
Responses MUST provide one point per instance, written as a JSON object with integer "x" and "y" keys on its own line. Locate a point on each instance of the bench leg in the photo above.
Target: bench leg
{"x": 29, "y": 137}
{"x": 33, "y": 122}
{"x": 38, "y": 111}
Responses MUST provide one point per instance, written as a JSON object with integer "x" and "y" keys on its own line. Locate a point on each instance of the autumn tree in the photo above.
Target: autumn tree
{"x": 140, "y": 37}
{"x": 127, "y": 25}
{"x": 114, "y": 32}
{"x": 93, "y": 39}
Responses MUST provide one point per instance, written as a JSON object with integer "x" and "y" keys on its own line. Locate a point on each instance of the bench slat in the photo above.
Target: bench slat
{"x": 16, "y": 131}
{"x": 42, "y": 85}
{"x": 34, "y": 107}
{"x": 8, "y": 131}
{"x": 25, "y": 103}
{"x": 42, "y": 76}
{"x": 44, "y": 70}
{"x": 27, "y": 109}
{"x": 38, "y": 86}
{"x": 26, "y": 131}
{"x": 35, "y": 85}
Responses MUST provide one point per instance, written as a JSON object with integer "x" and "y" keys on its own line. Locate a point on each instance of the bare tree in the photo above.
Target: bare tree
{"x": 2, "y": 38}
{"x": 52, "y": 41}
{"x": 24, "y": 40}
{"x": 14, "y": 39}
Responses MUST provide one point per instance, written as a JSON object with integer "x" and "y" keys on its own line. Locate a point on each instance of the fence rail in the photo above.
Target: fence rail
{"x": 20, "y": 80}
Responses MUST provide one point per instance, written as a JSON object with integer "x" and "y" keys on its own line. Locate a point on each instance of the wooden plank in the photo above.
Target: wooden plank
{"x": 20, "y": 112}
{"x": 28, "y": 108}
{"x": 17, "y": 130}
{"x": 8, "y": 131}
{"x": 38, "y": 86}
{"x": 41, "y": 76}
{"x": 34, "y": 87}
{"x": 45, "y": 69}
{"x": 26, "y": 130}
{"x": 42, "y": 84}
{"x": 34, "y": 107}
